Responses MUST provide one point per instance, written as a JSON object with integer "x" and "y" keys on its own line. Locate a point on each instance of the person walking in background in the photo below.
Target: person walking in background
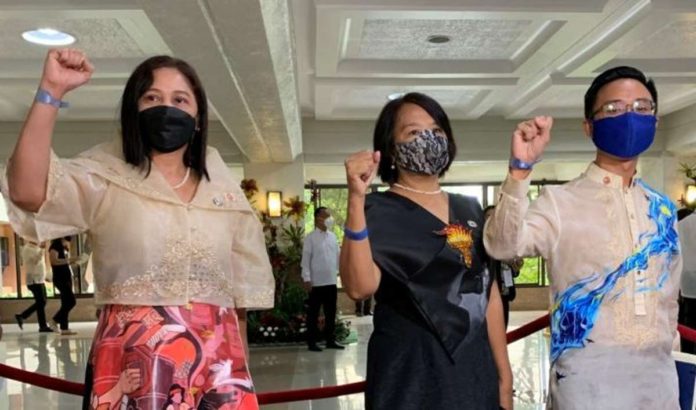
{"x": 363, "y": 307}
{"x": 319, "y": 272}
{"x": 34, "y": 261}
{"x": 59, "y": 255}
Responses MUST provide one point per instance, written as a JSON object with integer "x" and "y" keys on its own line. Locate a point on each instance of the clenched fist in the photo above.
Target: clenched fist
{"x": 530, "y": 139}
{"x": 361, "y": 169}
{"x": 64, "y": 70}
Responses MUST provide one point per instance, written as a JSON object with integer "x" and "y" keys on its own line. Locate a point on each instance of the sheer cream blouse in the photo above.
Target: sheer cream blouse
{"x": 149, "y": 247}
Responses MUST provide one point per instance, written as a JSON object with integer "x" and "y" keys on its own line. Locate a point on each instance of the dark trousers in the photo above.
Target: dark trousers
{"x": 322, "y": 296}
{"x": 39, "y": 292}
{"x": 687, "y": 317}
{"x": 67, "y": 299}
{"x": 363, "y": 307}
{"x": 506, "y": 310}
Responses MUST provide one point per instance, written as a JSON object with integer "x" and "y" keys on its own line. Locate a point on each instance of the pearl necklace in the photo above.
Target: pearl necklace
{"x": 183, "y": 181}
{"x": 405, "y": 188}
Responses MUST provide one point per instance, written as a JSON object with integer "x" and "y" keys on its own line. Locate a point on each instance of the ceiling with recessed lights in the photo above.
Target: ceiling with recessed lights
{"x": 504, "y": 58}
{"x": 48, "y": 37}
{"x": 242, "y": 50}
{"x": 291, "y": 79}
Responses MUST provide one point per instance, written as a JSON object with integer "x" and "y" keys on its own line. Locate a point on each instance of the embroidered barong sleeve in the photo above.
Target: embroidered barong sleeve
{"x": 253, "y": 282}
{"x": 518, "y": 229}
{"x": 73, "y": 195}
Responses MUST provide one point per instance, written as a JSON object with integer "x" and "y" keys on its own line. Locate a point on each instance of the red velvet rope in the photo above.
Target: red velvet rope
{"x": 64, "y": 386}
{"x": 41, "y": 380}
{"x": 687, "y": 333}
{"x": 527, "y": 329}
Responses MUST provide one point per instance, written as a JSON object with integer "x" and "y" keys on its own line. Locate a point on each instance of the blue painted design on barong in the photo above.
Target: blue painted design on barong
{"x": 575, "y": 309}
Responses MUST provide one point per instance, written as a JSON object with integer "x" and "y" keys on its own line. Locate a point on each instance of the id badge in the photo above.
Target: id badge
{"x": 507, "y": 277}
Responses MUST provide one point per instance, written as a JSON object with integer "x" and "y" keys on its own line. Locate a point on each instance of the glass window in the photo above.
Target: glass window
{"x": 3, "y": 210}
{"x": 14, "y": 272}
{"x": 8, "y": 262}
{"x": 309, "y": 215}
{"x": 534, "y": 191}
{"x": 475, "y": 191}
{"x": 491, "y": 190}
{"x": 83, "y": 282}
{"x": 336, "y": 200}
{"x": 531, "y": 272}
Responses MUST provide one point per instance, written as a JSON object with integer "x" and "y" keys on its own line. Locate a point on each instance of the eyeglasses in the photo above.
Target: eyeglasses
{"x": 642, "y": 106}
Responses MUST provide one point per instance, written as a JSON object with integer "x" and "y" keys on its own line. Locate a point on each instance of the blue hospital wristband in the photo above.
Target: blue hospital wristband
{"x": 44, "y": 97}
{"x": 516, "y": 163}
{"x": 355, "y": 236}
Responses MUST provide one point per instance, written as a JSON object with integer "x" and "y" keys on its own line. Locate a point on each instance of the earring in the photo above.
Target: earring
{"x": 393, "y": 166}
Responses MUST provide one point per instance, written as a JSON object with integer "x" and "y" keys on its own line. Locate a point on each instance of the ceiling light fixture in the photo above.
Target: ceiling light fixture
{"x": 48, "y": 37}
{"x": 439, "y": 39}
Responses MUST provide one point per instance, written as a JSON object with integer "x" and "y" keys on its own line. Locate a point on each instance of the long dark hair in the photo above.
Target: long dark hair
{"x": 383, "y": 138}
{"x": 135, "y": 151}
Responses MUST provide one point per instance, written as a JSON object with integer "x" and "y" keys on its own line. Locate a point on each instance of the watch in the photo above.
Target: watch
{"x": 516, "y": 163}
{"x": 44, "y": 97}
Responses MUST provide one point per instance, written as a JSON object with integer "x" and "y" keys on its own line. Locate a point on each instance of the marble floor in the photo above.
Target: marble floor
{"x": 273, "y": 369}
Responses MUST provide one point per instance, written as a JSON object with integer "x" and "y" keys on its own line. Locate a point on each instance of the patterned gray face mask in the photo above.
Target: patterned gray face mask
{"x": 427, "y": 154}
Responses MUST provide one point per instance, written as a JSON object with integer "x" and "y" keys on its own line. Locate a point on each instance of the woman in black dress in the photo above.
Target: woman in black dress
{"x": 59, "y": 254}
{"x": 439, "y": 338}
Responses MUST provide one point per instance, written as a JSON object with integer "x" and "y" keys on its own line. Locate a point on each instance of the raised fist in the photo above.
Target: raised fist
{"x": 361, "y": 169}
{"x": 530, "y": 139}
{"x": 64, "y": 70}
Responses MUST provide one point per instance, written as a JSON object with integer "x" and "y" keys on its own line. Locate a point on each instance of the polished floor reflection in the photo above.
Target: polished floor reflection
{"x": 273, "y": 368}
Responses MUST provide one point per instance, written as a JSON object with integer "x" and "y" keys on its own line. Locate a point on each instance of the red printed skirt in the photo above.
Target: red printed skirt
{"x": 168, "y": 358}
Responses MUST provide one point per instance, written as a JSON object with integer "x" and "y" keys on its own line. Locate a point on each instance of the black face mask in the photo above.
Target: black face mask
{"x": 165, "y": 128}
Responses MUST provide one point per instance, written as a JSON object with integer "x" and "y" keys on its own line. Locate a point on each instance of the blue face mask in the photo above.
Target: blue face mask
{"x": 625, "y": 136}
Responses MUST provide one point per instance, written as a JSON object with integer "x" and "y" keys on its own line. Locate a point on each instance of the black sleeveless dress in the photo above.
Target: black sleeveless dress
{"x": 429, "y": 348}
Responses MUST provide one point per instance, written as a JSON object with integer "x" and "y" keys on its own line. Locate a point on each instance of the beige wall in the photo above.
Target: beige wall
{"x": 287, "y": 177}
{"x": 531, "y": 299}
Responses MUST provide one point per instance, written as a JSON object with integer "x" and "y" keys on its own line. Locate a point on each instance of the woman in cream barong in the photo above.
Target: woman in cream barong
{"x": 178, "y": 253}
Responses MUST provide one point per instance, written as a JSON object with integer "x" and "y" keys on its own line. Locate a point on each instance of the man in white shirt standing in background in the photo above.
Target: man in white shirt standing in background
{"x": 319, "y": 271}
{"x": 687, "y": 237}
